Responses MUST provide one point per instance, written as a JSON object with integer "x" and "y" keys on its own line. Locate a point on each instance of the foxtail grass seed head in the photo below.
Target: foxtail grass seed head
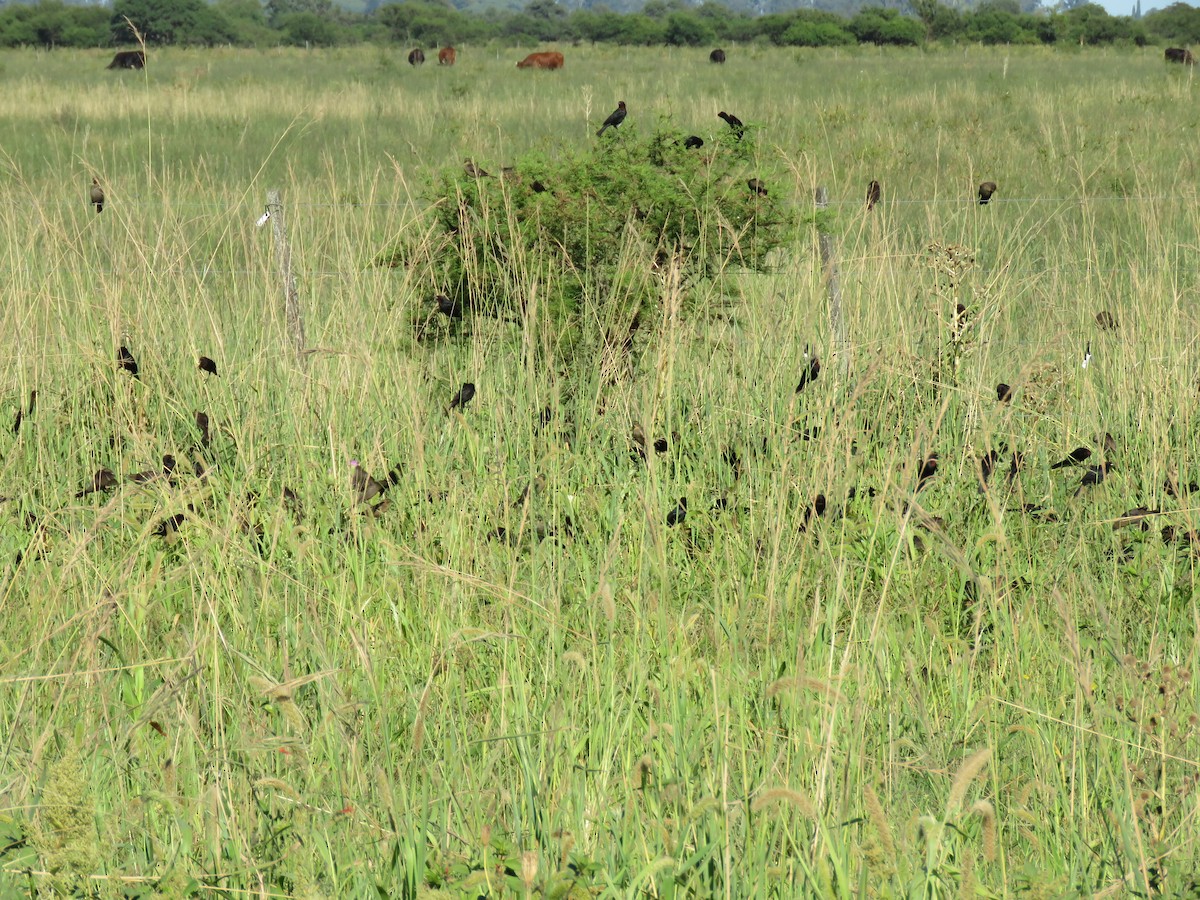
{"x": 987, "y": 816}
{"x": 971, "y": 767}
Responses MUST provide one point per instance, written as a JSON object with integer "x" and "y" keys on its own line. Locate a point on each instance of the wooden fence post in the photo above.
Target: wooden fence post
{"x": 837, "y": 322}
{"x": 291, "y": 298}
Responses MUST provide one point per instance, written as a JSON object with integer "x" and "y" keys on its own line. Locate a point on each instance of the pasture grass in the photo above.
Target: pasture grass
{"x": 301, "y": 700}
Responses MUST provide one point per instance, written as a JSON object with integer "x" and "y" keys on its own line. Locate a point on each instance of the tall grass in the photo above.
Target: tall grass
{"x": 315, "y": 702}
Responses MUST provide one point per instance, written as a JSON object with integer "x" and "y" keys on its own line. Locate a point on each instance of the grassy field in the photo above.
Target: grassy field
{"x": 911, "y": 695}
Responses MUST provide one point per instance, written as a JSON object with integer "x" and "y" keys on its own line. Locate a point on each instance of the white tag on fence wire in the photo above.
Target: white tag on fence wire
{"x": 262, "y": 220}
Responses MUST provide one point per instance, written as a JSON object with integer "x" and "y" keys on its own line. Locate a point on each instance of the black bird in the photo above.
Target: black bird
{"x": 660, "y": 445}
{"x": 929, "y": 467}
{"x": 1018, "y": 460}
{"x": 873, "y": 194}
{"x": 538, "y": 187}
{"x": 1136, "y": 516}
{"x": 757, "y": 187}
{"x": 811, "y": 372}
{"x": 733, "y": 122}
{"x": 615, "y": 118}
{"x": 126, "y": 361}
{"x": 97, "y": 196}
{"x": 463, "y": 397}
{"x": 202, "y": 427}
{"x": 1003, "y": 393}
{"x": 451, "y": 309}
{"x": 985, "y": 192}
{"x": 1093, "y": 476}
{"x": 545, "y": 417}
{"x": 987, "y": 463}
{"x": 207, "y": 365}
{"x": 1106, "y": 320}
{"x": 367, "y": 488}
{"x": 733, "y": 461}
{"x": 1076, "y": 457}
{"x": 103, "y": 480}
{"x": 1174, "y": 488}
{"x": 961, "y": 317}
{"x": 168, "y": 469}
{"x": 816, "y": 511}
{"x": 167, "y": 527}
{"x": 693, "y": 142}
{"x": 22, "y": 414}
{"x": 678, "y": 514}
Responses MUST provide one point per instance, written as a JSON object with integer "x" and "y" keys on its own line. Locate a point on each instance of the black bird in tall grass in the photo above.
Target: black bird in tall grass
{"x": 693, "y": 142}
{"x": 873, "y": 194}
{"x": 987, "y": 463}
{"x": 104, "y": 480}
{"x": 678, "y": 514}
{"x": 985, "y": 192}
{"x": 928, "y": 468}
{"x": 97, "y": 196}
{"x": 615, "y": 118}
{"x": 812, "y": 371}
{"x": 815, "y": 511}
{"x": 1093, "y": 476}
{"x": 1076, "y": 457}
{"x": 23, "y": 414}
{"x": 463, "y": 397}
{"x": 207, "y": 365}
{"x": 472, "y": 170}
{"x": 1004, "y": 393}
{"x": 1106, "y": 321}
{"x": 451, "y": 309}
{"x": 367, "y": 488}
{"x": 126, "y": 361}
{"x": 736, "y": 124}
{"x": 167, "y": 471}
{"x": 757, "y": 187}
{"x": 170, "y": 525}
{"x": 202, "y": 427}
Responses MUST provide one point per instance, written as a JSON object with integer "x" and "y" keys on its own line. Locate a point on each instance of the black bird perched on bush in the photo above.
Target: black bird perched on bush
{"x": 103, "y": 480}
{"x": 472, "y": 170}
{"x": 463, "y": 397}
{"x": 678, "y": 514}
{"x": 734, "y": 122}
{"x": 985, "y": 192}
{"x": 615, "y": 118}
{"x": 873, "y": 193}
{"x": 97, "y": 196}
{"x": 126, "y": 361}
{"x": 451, "y": 309}
{"x": 757, "y": 187}
{"x": 208, "y": 365}
{"x": 693, "y": 142}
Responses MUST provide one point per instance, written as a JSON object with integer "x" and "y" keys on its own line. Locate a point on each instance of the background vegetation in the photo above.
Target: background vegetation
{"x": 290, "y": 696}
{"x": 430, "y": 23}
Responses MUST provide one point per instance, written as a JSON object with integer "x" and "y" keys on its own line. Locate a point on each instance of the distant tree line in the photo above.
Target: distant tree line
{"x": 52, "y": 23}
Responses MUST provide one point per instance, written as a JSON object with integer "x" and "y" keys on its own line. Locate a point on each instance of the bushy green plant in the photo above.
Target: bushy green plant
{"x": 605, "y": 221}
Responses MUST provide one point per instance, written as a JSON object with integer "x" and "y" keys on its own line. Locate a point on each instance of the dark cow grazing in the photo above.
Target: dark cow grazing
{"x": 717, "y": 56}
{"x": 1179, "y": 55}
{"x": 129, "y": 59}
{"x": 551, "y": 60}
{"x": 416, "y": 57}
{"x": 446, "y": 56}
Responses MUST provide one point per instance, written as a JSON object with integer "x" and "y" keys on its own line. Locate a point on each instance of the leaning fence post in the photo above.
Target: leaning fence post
{"x": 837, "y": 323}
{"x": 283, "y": 256}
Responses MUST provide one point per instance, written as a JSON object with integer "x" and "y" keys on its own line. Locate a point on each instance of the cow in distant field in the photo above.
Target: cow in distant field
{"x": 552, "y": 60}
{"x": 1179, "y": 55}
{"x": 416, "y": 57}
{"x": 129, "y": 59}
{"x": 717, "y": 56}
{"x": 446, "y": 56}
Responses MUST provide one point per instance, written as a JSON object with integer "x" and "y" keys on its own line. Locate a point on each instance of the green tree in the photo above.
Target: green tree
{"x": 886, "y": 26}
{"x": 1178, "y": 23}
{"x": 170, "y": 22}
{"x": 687, "y": 30}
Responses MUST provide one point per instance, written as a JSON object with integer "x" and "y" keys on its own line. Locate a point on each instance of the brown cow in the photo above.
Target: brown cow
{"x": 553, "y": 60}
{"x": 416, "y": 57}
{"x": 1179, "y": 55}
{"x": 446, "y": 56}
